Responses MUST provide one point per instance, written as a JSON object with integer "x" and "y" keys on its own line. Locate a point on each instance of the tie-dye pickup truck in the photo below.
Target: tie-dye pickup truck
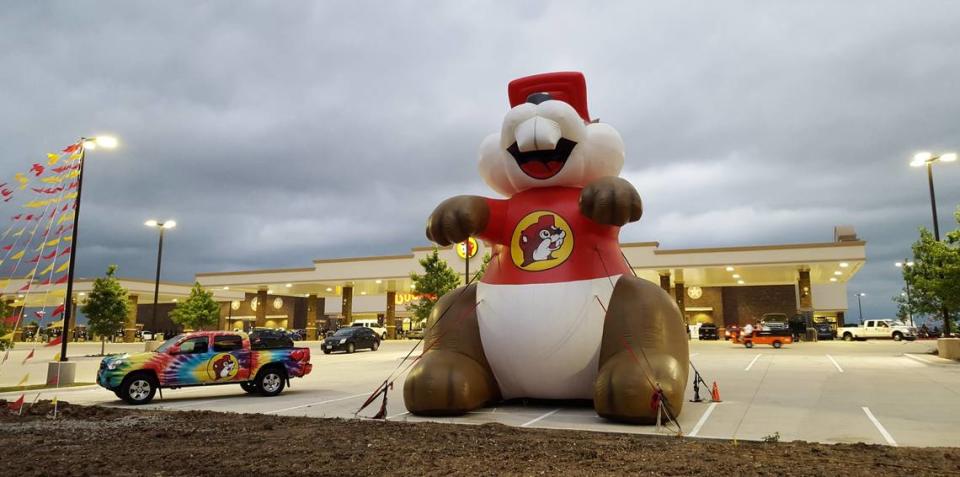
{"x": 260, "y": 363}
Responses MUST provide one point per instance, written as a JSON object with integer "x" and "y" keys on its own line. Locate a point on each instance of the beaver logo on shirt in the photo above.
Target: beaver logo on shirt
{"x": 542, "y": 240}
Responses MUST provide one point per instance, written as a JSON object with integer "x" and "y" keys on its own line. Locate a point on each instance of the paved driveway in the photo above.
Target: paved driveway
{"x": 876, "y": 392}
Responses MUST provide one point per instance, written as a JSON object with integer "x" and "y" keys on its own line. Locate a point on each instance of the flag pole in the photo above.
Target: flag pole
{"x": 68, "y": 300}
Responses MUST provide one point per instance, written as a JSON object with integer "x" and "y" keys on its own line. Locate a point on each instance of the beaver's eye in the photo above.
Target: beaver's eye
{"x": 544, "y": 234}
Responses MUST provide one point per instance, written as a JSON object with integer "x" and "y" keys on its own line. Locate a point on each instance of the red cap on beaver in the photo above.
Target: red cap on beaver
{"x": 567, "y": 86}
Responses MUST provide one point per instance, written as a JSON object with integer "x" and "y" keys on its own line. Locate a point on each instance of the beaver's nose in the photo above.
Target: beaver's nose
{"x": 537, "y": 98}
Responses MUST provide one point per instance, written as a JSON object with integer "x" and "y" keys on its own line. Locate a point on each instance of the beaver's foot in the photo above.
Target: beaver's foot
{"x": 624, "y": 391}
{"x": 447, "y": 383}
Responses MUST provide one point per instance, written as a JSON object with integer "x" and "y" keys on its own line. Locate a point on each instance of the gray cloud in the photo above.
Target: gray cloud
{"x": 276, "y": 133}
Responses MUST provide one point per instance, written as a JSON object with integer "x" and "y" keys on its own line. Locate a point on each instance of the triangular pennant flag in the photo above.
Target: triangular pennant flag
{"x": 35, "y": 259}
{"x": 16, "y": 405}
{"x": 51, "y": 254}
{"x": 25, "y": 287}
{"x": 52, "y": 158}
{"x": 18, "y": 255}
{"x": 58, "y": 310}
{"x": 29, "y": 355}
{"x": 22, "y": 179}
{"x": 47, "y": 270}
{"x": 63, "y": 267}
{"x": 62, "y": 279}
{"x": 55, "y": 342}
{"x": 73, "y": 147}
{"x": 24, "y": 379}
{"x": 56, "y": 357}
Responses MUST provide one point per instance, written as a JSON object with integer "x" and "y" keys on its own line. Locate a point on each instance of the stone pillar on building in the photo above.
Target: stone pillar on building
{"x": 665, "y": 280}
{"x": 17, "y": 310}
{"x": 225, "y": 311}
{"x": 68, "y": 335}
{"x": 130, "y": 325}
{"x": 261, "y": 319}
{"x": 840, "y": 321}
{"x": 391, "y": 318}
{"x": 313, "y": 317}
{"x": 679, "y": 292}
{"x": 805, "y": 295}
{"x": 322, "y": 321}
{"x": 346, "y": 308}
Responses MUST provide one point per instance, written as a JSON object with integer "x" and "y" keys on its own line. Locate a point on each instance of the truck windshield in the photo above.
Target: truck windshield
{"x": 167, "y": 344}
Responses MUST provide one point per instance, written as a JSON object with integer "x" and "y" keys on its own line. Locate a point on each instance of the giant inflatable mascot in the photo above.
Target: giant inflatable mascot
{"x": 558, "y": 313}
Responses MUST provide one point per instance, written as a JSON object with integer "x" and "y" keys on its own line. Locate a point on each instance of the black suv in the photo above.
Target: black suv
{"x": 350, "y": 339}
{"x": 708, "y": 331}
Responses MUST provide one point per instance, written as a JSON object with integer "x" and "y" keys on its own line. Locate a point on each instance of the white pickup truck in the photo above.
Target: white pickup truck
{"x": 878, "y": 329}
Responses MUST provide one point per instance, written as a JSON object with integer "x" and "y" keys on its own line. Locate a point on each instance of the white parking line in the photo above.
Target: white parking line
{"x": 835, "y": 363}
{"x": 886, "y": 435}
{"x": 318, "y": 403}
{"x": 919, "y": 360}
{"x": 703, "y": 419}
{"x": 755, "y": 358}
{"x": 534, "y": 421}
{"x": 398, "y": 415}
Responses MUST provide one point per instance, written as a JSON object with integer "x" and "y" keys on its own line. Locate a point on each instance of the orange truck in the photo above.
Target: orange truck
{"x": 773, "y": 338}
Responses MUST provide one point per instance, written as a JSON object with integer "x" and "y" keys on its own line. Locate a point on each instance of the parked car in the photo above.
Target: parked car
{"x": 373, "y": 325}
{"x": 351, "y": 339}
{"x": 774, "y": 321}
{"x": 825, "y": 331}
{"x": 708, "y": 331}
{"x": 260, "y": 364}
{"x": 415, "y": 334}
{"x": 775, "y": 338}
{"x": 149, "y": 335}
{"x": 878, "y": 329}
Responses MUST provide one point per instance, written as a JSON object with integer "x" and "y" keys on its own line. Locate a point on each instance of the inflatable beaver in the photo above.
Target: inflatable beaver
{"x": 558, "y": 313}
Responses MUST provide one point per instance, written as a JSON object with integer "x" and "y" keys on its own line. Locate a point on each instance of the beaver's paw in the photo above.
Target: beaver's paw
{"x": 457, "y": 218}
{"x": 624, "y": 391}
{"x": 445, "y": 383}
{"x": 611, "y": 201}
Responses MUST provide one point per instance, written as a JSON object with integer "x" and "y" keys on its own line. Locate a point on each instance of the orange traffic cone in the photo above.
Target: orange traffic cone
{"x": 715, "y": 393}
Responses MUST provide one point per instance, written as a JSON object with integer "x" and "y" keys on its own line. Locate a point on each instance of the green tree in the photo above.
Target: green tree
{"x": 437, "y": 279}
{"x": 106, "y": 307}
{"x": 199, "y": 311}
{"x": 934, "y": 277}
{"x": 5, "y": 312}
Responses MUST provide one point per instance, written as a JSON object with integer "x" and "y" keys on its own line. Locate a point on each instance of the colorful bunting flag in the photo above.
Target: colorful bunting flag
{"x": 37, "y": 169}
{"x": 58, "y": 311}
{"x": 62, "y": 280}
{"x": 18, "y": 255}
{"x": 30, "y": 355}
{"x": 47, "y": 270}
{"x": 22, "y": 179}
{"x": 56, "y": 357}
{"x": 72, "y": 147}
{"x": 52, "y": 158}
{"x": 24, "y": 380}
{"x": 55, "y": 342}
{"x": 16, "y": 405}
{"x": 63, "y": 267}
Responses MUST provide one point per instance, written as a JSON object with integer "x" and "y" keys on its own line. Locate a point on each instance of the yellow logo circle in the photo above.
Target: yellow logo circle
{"x": 542, "y": 240}
{"x": 462, "y": 247}
{"x": 223, "y": 367}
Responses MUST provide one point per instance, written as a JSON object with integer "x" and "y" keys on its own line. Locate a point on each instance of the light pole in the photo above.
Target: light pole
{"x": 908, "y": 264}
{"x": 860, "y": 305}
{"x": 927, "y": 159}
{"x": 167, "y": 224}
{"x": 84, "y": 143}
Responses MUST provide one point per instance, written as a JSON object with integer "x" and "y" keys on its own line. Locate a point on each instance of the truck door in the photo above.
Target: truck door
{"x": 870, "y": 329}
{"x": 229, "y": 361}
{"x": 189, "y": 362}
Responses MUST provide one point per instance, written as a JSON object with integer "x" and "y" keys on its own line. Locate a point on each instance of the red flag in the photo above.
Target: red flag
{"x": 51, "y": 254}
{"x": 62, "y": 279}
{"x": 37, "y": 169}
{"x": 66, "y": 250}
{"x": 72, "y": 147}
{"x": 30, "y": 355}
{"x": 39, "y": 314}
{"x": 55, "y": 341}
{"x": 59, "y": 310}
{"x": 17, "y": 217}
{"x": 16, "y": 405}
{"x": 73, "y": 185}
{"x": 37, "y": 258}
{"x": 8, "y": 247}
{"x": 25, "y": 287}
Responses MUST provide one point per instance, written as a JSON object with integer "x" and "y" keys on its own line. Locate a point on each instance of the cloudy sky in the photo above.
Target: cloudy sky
{"x": 279, "y": 132}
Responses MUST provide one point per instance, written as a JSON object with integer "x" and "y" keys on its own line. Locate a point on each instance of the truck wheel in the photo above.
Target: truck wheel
{"x": 249, "y": 387}
{"x": 350, "y": 348}
{"x": 897, "y": 336}
{"x": 383, "y": 336}
{"x": 847, "y": 337}
{"x": 777, "y": 344}
{"x": 748, "y": 344}
{"x": 271, "y": 381}
{"x": 326, "y": 351}
{"x": 376, "y": 344}
{"x": 138, "y": 388}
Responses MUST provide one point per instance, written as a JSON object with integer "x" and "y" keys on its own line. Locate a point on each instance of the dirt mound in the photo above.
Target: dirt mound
{"x": 133, "y": 442}
{"x": 44, "y": 408}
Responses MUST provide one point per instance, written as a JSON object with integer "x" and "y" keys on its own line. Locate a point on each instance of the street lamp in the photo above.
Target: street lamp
{"x": 860, "y": 305}
{"x": 908, "y": 264}
{"x": 106, "y": 142}
{"x": 167, "y": 224}
{"x": 927, "y": 159}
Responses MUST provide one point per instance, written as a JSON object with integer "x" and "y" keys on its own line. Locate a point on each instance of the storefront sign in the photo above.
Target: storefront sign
{"x": 462, "y": 248}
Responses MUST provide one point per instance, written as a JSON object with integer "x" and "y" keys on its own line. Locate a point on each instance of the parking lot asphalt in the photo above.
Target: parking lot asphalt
{"x": 880, "y": 392}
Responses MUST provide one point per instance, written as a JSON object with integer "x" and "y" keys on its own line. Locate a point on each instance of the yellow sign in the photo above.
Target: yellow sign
{"x": 462, "y": 248}
{"x": 542, "y": 240}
